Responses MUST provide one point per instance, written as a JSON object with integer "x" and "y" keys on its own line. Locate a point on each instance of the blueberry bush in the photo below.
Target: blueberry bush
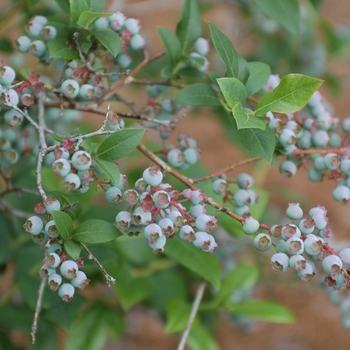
{"x": 76, "y": 214}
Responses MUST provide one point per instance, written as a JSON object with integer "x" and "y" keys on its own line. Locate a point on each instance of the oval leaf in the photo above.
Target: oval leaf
{"x": 204, "y": 264}
{"x": 291, "y": 95}
{"x": 95, "y": 231}
{"x": 245, "y": 119}
{"x": 77, "y": 7}
{"x": 73, "y": 249}
{"x": 177, "y": 314}
{"x": 233, "y": 90}
{"x": 264, "y": 311}
{"x": 171, "y": 44}
{"x": 109, "y": 39}
{"x": 58, "y": 48}
{"x": 198, "y": 94}
{"x": 119, "y": 144}
{"x": 259, "y": 75}
{"x": 86, "y": 18}
{"x": 64, "y": 223}
{"x": 110, "y": 169}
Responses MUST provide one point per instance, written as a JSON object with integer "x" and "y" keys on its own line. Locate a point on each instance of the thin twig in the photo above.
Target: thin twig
{"x": 38, "y": 309}
{"x": 108, "y": 277}
{"x": 195, "y": 306}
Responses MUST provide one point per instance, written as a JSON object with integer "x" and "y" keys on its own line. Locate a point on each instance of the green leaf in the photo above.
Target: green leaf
{"x": 202, "y": 263}
{"x": 233, "y": 90}
{"x": 292, "y": 94}
{"x": 171, "y": 44}
{"x": 259, "y": 75}
{"x": 64, "y": 223}
{"x": 189, "y": 28}
{"x": 119, "y": 144}
{"x": 73, "y": 249}
{"x": 236, "y": 66}
{"x": 198, "y": 94}
{"x": 200, "y": 339}
{"x": 77, "y": 7}
{"x": 86, "y": 18}
{"x": 66, "y": 198}
{"x": 24, "y": 71}
{"x": 110, "y": 169}
{"x": 64, "y": 5}
{"x": 95, "y": 231}
{"x": 96, "y": 5}
{"x": 264, "y": 311}
{"x": 245, "y": 118}
{"x": 261, "y": 142}
{"x": 213, "y": 76}
{"x": 6, "y": 45}
{"x": 242, "y": 277}
{"x": 167, "y": 72}
{"x": 109, "y": 39}
{"x": 284, "y": 12}
{"x": 58, "y": 48}
{"x": 177, "y": 315}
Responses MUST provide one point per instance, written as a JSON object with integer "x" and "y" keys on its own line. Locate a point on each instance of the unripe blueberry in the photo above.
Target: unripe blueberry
{"x": 341, "y": 194}
{"x": 55, "y": 248}
{"x": 101, "y": 23}
{"x": 40, "y": 239}
{"x": 4, "y": 144}
{"x": 116, "y": 123}
{"x": 197, "y": 210}
{"x": 140, "y": 185}
{"x": 161, "y": 199}
{"x": 131, "y": 197}
{"x": 7, "y": 75}
{"x": 27, "y": 100}
{"x": 113, "y": 195}
{"x": 254, "y": 197}
{"x": 294, "y": 212}
{"x": 335, "y": 140}
{"x": 345, "y": 166}
{"x": 276, "y": 230}
{"x": 297, "y": 262}
{"x": 202, "y": 240}
{"x": 332, "y": 264}
{"x": 158, "y": 245}
{"x": 87, "y": 92}
{"x": 220, "y": 186}
{"x": 123, "y": 60}
{"x": 305, "y": 140}
{"x": 346, "y": 125}
{"x": 45, "y": 272}
{"x": 281, "y": 246}
{"x": 61, "y": 152}
{"x": 37, "y": 48}
{"x": 287, "y": 168}
{"x": 307, "y": 226}
{"x": 320, "y": 139}
{"x": 13, "y": 118}
{"x": 72, "y": 182}
{"x": 290, "y": 230}
{"x": 318, "y": 210}
{"x": 319, "y": 164}
{"x": 306, "y": 274}
{"x": 167, "y": 227}
{"x": 52, "y": 260}
{"x": 33, "y": 225}
{"x": 81, "y": 281}
{"x": 186, "y": 233}
{"x": 195, "y": 197}
{"x": 191, "y": 155}
{"x": 320, "y": 220}
{"x": 140, "y": 217}
{"x": 10, "y": 157}
{"x": 245, "y": 181}
{"x": 81, "y": 160}
{"x": 206, "y": 222}
{"x": 123, "y": 220}
{"x": 280, "y": 262}
{"x": 176, "y": 217}
{"x": 313, "y": 244}
{"x": 295, "y": 245}
{"x": 212, "y": 244}
{"x": 345, "y": 257}
{"x": 70, "y": 88}
{"x": 295, "y": 127}
{"x": 276, "y": 125}
{"x": 287, "y": 137}
{"x": 152, "y": 175}
{"x": 52, "y": 203}
{"x": 188, "y": 142}
{"x": 250, "y": 225}
{"x": 137, "y": 42}
{"x": 152, "y": 232}
{"x": 241, "y": 198}
{"x": 201, "y": 46}
{"x": 49, "y": 32}
{"x": 69, "y": 269}
{"x": 176, "y": 157}
{"x": 66, "y": 292}
{"x": 22, "y": 44}
{"x": 61, "y": 167}
{"x": 51, "y": 229}
{"x": 132, "y": 25}
{"x": 123, "y": 181}
{"x": 262, "y": 242}
{"x": 117, "y": 20}
{"x": 54, "y": 281}
{"x": 325, "y": 233}
{"x": 332, "y": 161}
{"x": 324, "y": 120}
{"x": 314, "y": 175}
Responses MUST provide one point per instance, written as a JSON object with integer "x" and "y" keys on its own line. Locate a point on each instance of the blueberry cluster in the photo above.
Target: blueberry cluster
{"x": 155, "y": 210}
{"x": 186, "y": 153}
{"x": 62, "y": 275}
{"x": 39, "y": 33}
{"x": 76, "y": 169}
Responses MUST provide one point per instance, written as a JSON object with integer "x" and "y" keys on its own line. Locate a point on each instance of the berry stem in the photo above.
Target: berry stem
{"x": 195, "y": 306}
{"x": 38, "y": 309}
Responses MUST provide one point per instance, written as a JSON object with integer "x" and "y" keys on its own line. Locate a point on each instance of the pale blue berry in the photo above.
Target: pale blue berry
{"x": 306, "y": 274}
{"x": 307, "y": 226}
{"x": 287, "y": 168}
{"x": 51, "y": 229}
{"x": 321, "y": 221}
{"x": 280, "y": 262}
{"x": 123, "y": 60}
{"x": 81, "y": 281}
{"x": 287, "y": 137}
{"x": 117, "y": 20}
{"x": 152, "y": 232}
{"x": 123, "y": 220}
{"x": 341, "y": 194}
{"x": 191, "y": 155}
{"x": 276, "y": 230}
{"x": 202, "y": 240}
{"x": 81, "y": 160}
{"x": 281, "y": 246}
{"x": 161, "y": 199}
{"x": 320, "y": 138}
{"x": 49, "y": 32}
{"x": 61, "y": 167}
{"x": 186, "y": 233}
{"x": 314, "y": 175}
{"x": 52, "y": 203}
{"x": 332, "y": 161}
{"x": 295, "y": 245}
{"x": 40, "y": 239}
{"x": 346, "y": 125}
{"x": 132, "y": 25}
{"x": 140, "y": 185}
{"x": 335, "y": 140}
{"x": 113, "y": 195}
{"x": 37, "y": 48}
{"x": 195, "y": 197}
{"x": 45, "y": 271}
{"x": 201, "y": 46}
{"x": 137, "y": 42}
{"x": 294, "y": 212}
{"x": 33, "y": 225}
{"x": 152, "y": 175}
{"x": 70, "y": 88}
{"x": 158, "y": 245}
{"x": 297, "y": 262}
{"x": 262, "y": 242}
{"x": 345, "y": 257}
{"x": 7, "y": 75}
{"x": 52, "y": 260}
{"x": 33, "y": 29}
{"x": 332, "y": 264}
{"x": 245, "y": 181}
{"x": 197, "y": 210}
{"x": 140, "y": 217}
{"x": 220, "y": 186}
{"x": 250, "y": 225}
{"x": 313, "y": 244}
{"x": 69, "y": 269}
{"x": 176, "y": 157}
{"x": 101, "y": 23}
{"x": 241, "y": 198}
{"x": 290, "y": 230}
{"x": 167, "y": 227}
{"x": 72, "y": 182}
{"x": 55, "y": 248}
{"x": 23, "y": 43}
{"x": 66, "y": 292}
{"x": 206, "y": 222}
{"x": 54, "y": 281}
{"x": 176, "y": 217}
{"x": 319, "y": 164}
